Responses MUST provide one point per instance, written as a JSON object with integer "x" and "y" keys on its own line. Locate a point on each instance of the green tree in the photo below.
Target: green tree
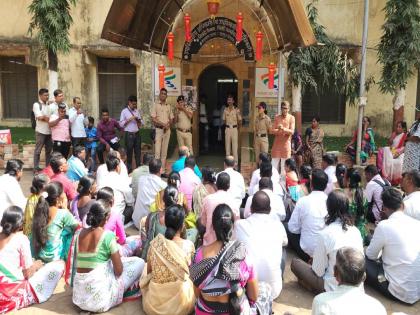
{"x": 50, "y": 24}
{"x": 399, "y": 50}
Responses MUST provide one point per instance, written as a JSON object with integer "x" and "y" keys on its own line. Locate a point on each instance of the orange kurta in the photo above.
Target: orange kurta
{"x": 282, "y": 147}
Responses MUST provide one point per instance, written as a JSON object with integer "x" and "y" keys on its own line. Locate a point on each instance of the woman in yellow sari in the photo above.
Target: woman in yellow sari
{"x": 165, "y": 283}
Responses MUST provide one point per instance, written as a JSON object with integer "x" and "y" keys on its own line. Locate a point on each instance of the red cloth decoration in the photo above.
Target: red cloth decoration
{"x": 171, "y": 37}
{"x": 271, "y": 72}
{"x": 213, "y": 7}
{"x": 258, "y": 54}
{"x": 239, "y": 25}
{"x": 187, "y": 25}
{"x": 161, "y": 70}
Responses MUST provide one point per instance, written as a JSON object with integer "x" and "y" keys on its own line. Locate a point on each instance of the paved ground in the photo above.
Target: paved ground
{"x": 293, "y": 299}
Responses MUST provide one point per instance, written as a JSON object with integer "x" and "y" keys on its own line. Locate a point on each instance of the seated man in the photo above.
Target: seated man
{"x": 256, "y": 176}
{"x": 59, "y": 167}
{"x": 48, "y": 170}
{"x": 348, "y": 299}
{"x": 374, "y": 188}
{"x": 106, "y": 134}
{"x": 277, "y": 205}
{"x": 139, "y": 172}
{"x": 237, "y": 182}
{"x": 76, "y": 162}
{"x": 179, "y": 164}
{"x": 189, "y": 181}
{"x": 102, "y": 171}
{"x": 266, "y": 170}
{"x": 148, "y": 187}
{"x": 328, "y": 164}
{"x": 308, "y": 217}
{"x": 263, "y": 237}
{"x": 397, "y": 241}
{"x": 210, "y": 203}
{"x": 410, "y": 184}
{"x": 123, "y": 197}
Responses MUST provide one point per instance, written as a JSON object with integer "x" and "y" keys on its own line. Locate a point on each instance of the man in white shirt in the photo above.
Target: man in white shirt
{"x": 140, "y": 171}
{"x": 374, "y": 188}
{"x": 77, "y": 121}
{"x": 348, "y": 299}
{"x": 148, "y": 187}
{"x": 410, "y": 184}
{"x": 123, "y": 197}
{"x": 58, "y": 99}
{"x": 308, "y": 217}
{"x": 264, "y": 238}
{"x": 328, "y": 164}
{"x": 237, "y": 182}
{"x": 41, "y": 110}
{"x": 266, "y": 170}
{"x": 10, "y": 191}
{"x": 102, "y": 171}
{"x": 397, "y": 241}
{"x": 256, "y": 175}
{"x": 276, "y": 203}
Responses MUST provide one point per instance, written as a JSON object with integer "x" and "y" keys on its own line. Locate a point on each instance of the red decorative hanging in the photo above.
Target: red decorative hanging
{"x": 239, "y": 24}
{"x": 171, "y": 37}
{"x": 161, "y": 69}
{"x": 271, "y": 72}
{"x": 187, "y": 24}
{"x": 213, "y": 7}
{"x": 258, "y": 54}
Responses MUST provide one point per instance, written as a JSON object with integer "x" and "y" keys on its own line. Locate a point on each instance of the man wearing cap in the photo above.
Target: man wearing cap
{"x": 232, "y": 119}
{"x": 262, "y": 127}
{"x": 60, "y": 130}
{"x": 162, "y": 117}
{"x": 183, "y": 124}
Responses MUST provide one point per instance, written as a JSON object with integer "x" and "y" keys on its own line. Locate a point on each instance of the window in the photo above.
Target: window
{"x": 19, "y": 87}
{"x": 328, "y": 105}
{"x": 117, "y": 80}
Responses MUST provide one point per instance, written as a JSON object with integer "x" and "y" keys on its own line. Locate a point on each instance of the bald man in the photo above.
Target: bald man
{"x": 179, "y": 165}
{"x": 264, "y": 237}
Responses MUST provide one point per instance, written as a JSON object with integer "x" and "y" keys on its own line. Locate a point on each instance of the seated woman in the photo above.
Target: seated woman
{"x": 101, "y": 276}
{"x": 368, "y": 142}
{"x": 86, "y": 197}
{"x": 305, "y": 179}
{"x": 292, "y": 179}
{"x": 129, "y": 246}
{"x": 38, "y": 185}
{"x": 53, "y": 225}
{"x": 314, "y": 146}
{"x": 22, "y": 281}
{"x": 166, "y": 286}
{"x": 339, "y": 232}
{"x": 222, "y": 273}
{"x": 340, "y": 174}
{"x": 207, "y": 187}
{"x": 390, "y": 159}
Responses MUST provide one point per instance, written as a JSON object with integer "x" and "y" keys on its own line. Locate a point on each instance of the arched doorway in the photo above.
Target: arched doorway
{"x": 215, "y": 83}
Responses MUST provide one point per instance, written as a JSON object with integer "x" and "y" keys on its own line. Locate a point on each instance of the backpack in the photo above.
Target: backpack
{"x": 33, "y": 119}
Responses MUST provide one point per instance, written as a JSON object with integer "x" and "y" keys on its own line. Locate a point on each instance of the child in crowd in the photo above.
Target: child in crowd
{"x": 91, "y": 144}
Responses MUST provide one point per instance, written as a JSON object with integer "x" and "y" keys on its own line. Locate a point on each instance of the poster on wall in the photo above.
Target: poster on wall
{"x": 261, "y": 84}
{"x": 172, "y": 81}
{"x": 5, "y": 136}
{"x": 190, "y": 96}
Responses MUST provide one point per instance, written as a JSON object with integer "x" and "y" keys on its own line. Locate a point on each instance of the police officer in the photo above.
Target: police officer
{"x": 183, "y": 124}
{"x": 232, "y": 120}
{"x": 162, "y": 118}
{"x": 262, "y": 127}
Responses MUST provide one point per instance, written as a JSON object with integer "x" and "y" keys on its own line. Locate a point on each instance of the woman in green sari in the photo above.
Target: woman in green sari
{"x": 53, "y": 225}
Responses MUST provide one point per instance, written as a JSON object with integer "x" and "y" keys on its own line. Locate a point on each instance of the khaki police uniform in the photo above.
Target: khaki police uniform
{"x": 183, "y": 130}
{"x": 262, "y": 127}
{"x": 164, "y": 114}
{"x": 232, "y": 119}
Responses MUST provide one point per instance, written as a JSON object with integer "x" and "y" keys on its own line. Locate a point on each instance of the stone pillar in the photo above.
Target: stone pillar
{"x": 297, "y": 105}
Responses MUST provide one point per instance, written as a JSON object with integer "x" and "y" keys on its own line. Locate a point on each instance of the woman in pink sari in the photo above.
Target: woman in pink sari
{"x": 390, "y": 159}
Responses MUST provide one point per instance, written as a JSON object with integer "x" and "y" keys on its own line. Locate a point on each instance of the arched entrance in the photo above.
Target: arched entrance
{"x": 215, "y": 83}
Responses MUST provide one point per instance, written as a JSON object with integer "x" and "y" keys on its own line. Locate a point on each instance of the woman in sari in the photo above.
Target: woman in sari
{"x": 412, "y": 148}
{"x": 22, "y": 281}
{"x": 207, "y": 187}
{"x": 86, "y": 190}
{"x": 305, "y": 179}
{"x": 314, "y": 147}
{"x": 38, "y": 185}
{"x": 53, "y": 225}
{"x": 100, "y": 276}
{"x": 368, "y": 142}
{"x": 224, "y": 278}
{"x": 292, "y": 180}
{"x": 129, "y": 246}
{"x": 390, "y": 159}
{"x": 165, "y": 285}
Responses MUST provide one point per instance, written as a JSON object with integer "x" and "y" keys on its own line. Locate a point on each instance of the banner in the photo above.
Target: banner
{"x": 261, "y": 83}
{"x": 5, "y": 136}
{"x": 172, "y": 81}
{"x": 190, "y": 96}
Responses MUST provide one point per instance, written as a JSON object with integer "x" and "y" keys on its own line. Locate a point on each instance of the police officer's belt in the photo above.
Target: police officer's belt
{"x": 234, "y": 126}
{"x": 184, "y": 130}
{"x": 262, "y": 135}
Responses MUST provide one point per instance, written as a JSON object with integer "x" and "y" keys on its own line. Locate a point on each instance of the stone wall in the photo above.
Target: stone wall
{"x": 24, "y": 153}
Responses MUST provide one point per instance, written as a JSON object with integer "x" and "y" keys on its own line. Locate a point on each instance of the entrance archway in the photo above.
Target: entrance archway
{"x": 215, "y": 83}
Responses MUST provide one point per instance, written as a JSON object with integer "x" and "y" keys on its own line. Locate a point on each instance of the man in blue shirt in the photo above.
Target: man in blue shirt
{"x": 179, "y": 164}
{"x": 91, "y": 144}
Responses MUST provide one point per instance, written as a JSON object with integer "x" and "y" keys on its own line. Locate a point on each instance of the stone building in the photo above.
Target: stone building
{"x": 104, "y": 73}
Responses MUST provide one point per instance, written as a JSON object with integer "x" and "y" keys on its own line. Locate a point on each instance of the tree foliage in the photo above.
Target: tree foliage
{"x": 51, "y": 21}
{"x": 399, "y": 48}
{"x": 324, "y": 67}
